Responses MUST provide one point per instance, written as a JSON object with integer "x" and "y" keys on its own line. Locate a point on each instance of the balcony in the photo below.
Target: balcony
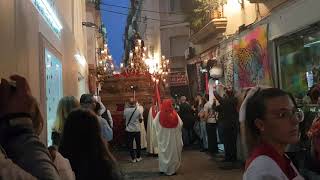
{"x": 213, "y": 28}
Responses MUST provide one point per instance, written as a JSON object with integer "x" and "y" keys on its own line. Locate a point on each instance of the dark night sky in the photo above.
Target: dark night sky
{"x": 115, "y": 24}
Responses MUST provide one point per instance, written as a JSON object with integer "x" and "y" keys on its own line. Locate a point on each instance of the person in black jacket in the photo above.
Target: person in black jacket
{"x": 228, "y": 119}
{"x": 187, "y": 116}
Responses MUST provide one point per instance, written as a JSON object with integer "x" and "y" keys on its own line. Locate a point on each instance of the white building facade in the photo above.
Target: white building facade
{"x": 44, "y": 41}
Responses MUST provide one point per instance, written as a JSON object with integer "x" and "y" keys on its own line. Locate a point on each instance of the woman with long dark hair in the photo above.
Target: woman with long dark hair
{"x": 82, "y": 144}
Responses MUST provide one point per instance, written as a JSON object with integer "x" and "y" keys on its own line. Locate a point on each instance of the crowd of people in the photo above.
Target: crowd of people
{"x": 256, "y": 128}
{"x": 80, "y": 138}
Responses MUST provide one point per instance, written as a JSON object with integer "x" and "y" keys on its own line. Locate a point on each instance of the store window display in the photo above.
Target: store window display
{"x": 299, "y": 62}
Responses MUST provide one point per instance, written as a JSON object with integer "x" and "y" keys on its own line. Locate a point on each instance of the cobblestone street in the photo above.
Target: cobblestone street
{"x": 195, "y": 166}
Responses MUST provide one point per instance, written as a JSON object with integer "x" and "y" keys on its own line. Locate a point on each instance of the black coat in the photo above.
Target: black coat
{"x": 187, "y": 115}
{"x": 228, "y": 115}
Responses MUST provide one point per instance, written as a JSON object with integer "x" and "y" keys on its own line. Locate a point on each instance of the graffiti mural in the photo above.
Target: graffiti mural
{"x": 252, "y": 65}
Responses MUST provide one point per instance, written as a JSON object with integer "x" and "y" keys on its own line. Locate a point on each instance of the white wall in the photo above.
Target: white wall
{"x": 24, "y": 34}
{"x": 151, "y": 28}
{"x": 296, "y": 15}
{"x": 172, "y": 27}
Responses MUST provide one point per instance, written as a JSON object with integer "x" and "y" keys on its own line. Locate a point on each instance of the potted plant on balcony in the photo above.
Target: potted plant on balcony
{"x": 204, "y": 11}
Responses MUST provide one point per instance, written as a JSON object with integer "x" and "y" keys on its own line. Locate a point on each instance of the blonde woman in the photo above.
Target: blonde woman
{"x": 66, "y": 105}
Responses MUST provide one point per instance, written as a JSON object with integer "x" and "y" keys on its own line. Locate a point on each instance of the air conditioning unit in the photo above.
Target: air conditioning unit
{"x": 189, "y": 53}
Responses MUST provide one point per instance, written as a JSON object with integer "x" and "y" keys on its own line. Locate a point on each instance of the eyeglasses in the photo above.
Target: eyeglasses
{"x": 294, "y": 113}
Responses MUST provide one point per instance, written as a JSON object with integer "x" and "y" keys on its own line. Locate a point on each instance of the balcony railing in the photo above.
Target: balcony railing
{"x": 214, "y": 27}
{"x": 216, "y": 24}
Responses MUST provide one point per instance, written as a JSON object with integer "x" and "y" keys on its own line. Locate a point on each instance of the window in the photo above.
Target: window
{"x": 54, "y": 89}
{"x": 299, "y": 62}
{"x": 178, "y": 45}
{"x": 174, "y": 5}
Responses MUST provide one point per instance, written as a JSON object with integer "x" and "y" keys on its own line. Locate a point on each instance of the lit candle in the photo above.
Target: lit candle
{"x": 105, "y": 46}
{"x": 136, "y": 49}
{"x": 132, "y": 64}
{"x": 131, "y": 54}
{"x": 139, "y": 42}
{"x": 110, "y": 57}
{"x": 102, "y": 51}
{"x": 105, "y": 69}
{"x": 121, "y": 65}
{"x": 112, "y": 66}
{"x": 144, "y": 48}
{"x": 163, "y": 57}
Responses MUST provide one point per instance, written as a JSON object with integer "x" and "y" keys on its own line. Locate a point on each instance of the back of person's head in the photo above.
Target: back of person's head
{"x": 81, "y": 131}
{"x": 65, "y": 106}
{"x": 132, "y": 102}
{"x": 183, "y": 99}
{"x": 86, "y": 99}
{"x": 256, "y": 109}
{"x": 82, "y": 142}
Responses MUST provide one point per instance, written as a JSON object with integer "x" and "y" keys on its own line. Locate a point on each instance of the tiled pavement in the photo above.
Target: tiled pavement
{"x": 195, "y": 166}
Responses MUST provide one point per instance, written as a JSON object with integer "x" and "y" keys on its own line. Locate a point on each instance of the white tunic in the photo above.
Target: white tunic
{"x": 152, "y": 143}
{"x": 265, "y": 168}
{"x": 169, "y": 145}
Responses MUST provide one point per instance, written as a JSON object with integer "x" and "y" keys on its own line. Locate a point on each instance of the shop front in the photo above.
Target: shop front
{"x": 299, "y": 61}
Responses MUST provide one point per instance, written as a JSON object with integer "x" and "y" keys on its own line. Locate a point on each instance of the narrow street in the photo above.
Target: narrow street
{"x": 196, "y": 165}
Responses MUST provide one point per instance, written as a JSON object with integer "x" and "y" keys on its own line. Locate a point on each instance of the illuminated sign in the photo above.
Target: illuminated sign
{"x": 48, "y": 14}
{"x": 178, "y": 79}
